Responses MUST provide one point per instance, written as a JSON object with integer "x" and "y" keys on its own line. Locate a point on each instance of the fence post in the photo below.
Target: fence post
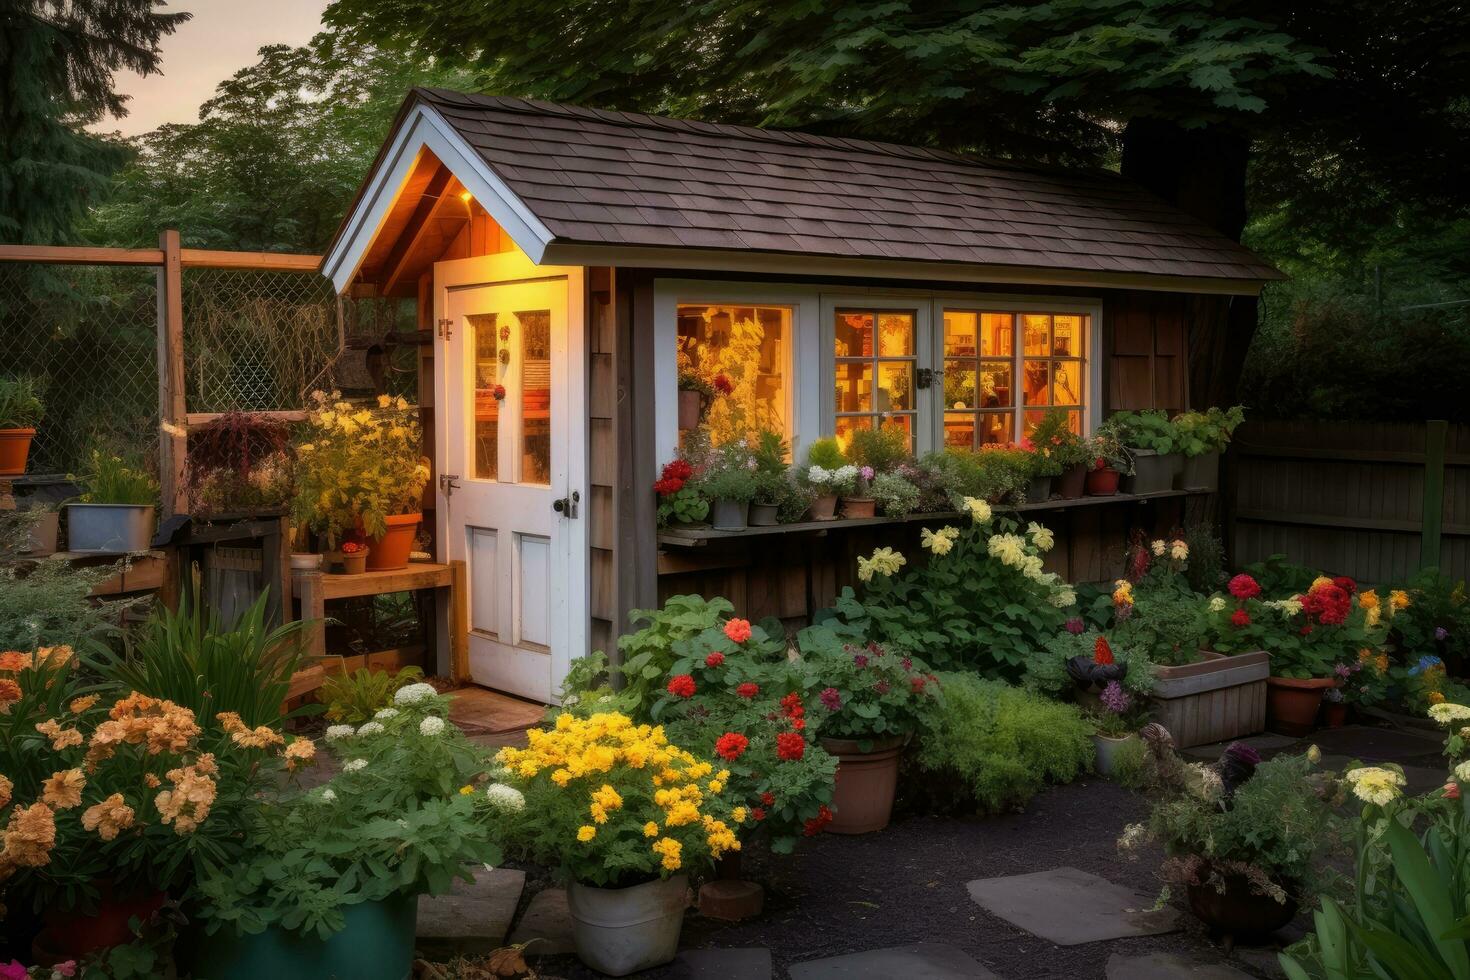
{"x": 1433, "y": 506}
{"x": 172, "y": 413}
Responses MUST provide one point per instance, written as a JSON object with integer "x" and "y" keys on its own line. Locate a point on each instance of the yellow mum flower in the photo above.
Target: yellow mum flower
{"x": 586, "y": 833}
{"x": 650, "y": 829}
{"x": 1399, "y": 599}
{"x": 738, "y": 814}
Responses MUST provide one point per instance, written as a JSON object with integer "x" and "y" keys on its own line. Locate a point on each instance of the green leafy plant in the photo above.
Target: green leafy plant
{"x": 1206, "y": 571}
{"x": 883, "y": 448}
{"x": 354, "y": 698}
{"x": 1198, "y": 433}
{"x": 1107, "y": 450}
{"x": 826, "y": 453}
{"x": 862, "y": 691}
{"x": 1046, "y": 668}
{"x": 989, "y": 474}
{"x": 20, "y": 403}
{"x": 894, "y": 494}
{"x": 48, "y": 603}
{"x": 1164, "y": 626}
{"x": 673, "y": 639}
{"x": 1150, "y": 430}
{"x": 1054, "y": 446}
{"x": 113, "y": 479}
{"x": 792, "y": 500}
{"x": 731, "y": 474}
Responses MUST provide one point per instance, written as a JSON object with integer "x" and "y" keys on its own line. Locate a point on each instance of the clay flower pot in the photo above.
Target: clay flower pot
{"x": 1237, "y": 912}
{"x": 70, "y": 935}
{"x": 15, "y": 446}
{"x": 1073, "y": 482}
{"x": 866, "y": 782}
{"x": 1334, "y": 713}
{"x": 1292, "y": 703}
{"x": 824, "y": 508}
{"x": 355, "y": 562}
{"x": 391, "y": 551}
{"x": 857, "y": 507}
{"x": 1103, "y": 482}
{"x": 690, "y": 405}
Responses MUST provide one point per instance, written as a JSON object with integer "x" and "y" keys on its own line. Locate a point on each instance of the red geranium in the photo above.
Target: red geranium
{"x": 1240, "y": 618}
{"x": 1244, "y": 587}
{"x": 714, "y": 659}
{"x": 758, "y": 813}
{"x": 791, "y": 705}
{"x": 748, "y": 690}
{"x": 678, "y": 469}
{"x": 1327, "y": 604}
{"x": 682, "y": 685}
{"x": 815, "y": 824}
{"x": 790, "y": 746}
{"x": 1101, "y": 652}
{"x": 723, "y": 384}
{"x": 769, "y": 799}
{"x": 730, "y": 745}
{"x": 668, "y": 487}
{"x": 1346, "y": 584}
{"x": 737, "y": 630}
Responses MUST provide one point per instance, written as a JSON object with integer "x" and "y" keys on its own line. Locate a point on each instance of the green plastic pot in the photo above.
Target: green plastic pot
{"x": 377, "y": 944}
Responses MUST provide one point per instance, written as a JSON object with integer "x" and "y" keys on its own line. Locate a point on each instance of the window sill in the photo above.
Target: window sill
{"x": 698, "y": 537}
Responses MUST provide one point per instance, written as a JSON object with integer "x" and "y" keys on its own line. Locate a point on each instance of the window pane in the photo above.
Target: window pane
{"x": 487, "y": 406}
{"x": 998, "y": 332}
{"x": 995, "y": 427}
{"x": 1066, "y": 383}
{"x": 854, "y": 335}
{"x": 1033, "y": 419}
{"x": 741, "y": 352}
{"x": 904, "y": 422}
{"x": 995, "y": 384}
{"x": 959, "y": 334}
{"x": 1037, "y": 328}
{"x": 535, "y": 396}
{"x": 1036, "y": 383}
{"x": 959, "y": 384}
{"x": 854, "y": 386}
{"x": 959, "y": 430}
{"x": 846, "y": 426}
{"x": 1067, "y": 334}
{"x": 895, "y": 386}
{"x": 895, "y": 334}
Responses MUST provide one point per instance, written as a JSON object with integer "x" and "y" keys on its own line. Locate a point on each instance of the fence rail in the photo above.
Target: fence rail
{"x": 1376, "y": 501}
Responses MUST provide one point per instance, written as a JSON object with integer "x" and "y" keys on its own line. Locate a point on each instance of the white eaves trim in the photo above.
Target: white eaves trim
{"x": 423, "y": 128}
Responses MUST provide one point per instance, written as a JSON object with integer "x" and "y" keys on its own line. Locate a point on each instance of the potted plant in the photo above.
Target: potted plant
{"x": 770, "y": 477}
{"x": 1243, "y": 839}
{"x": 853, "y": 483}
{"x": 824, "y": 458}
{"x": 354, "y": 557}
{"x": 1053, "y": 449}
{"x": 239, "y": 464}
{"x": 1151, "y": 438}
{"x": 694, "y": 394}
{"x": 328, "y": 881}
{"x": 625, "y": 835}
{"x": 1108, "y": 461}
{"x": 1115, "y": 724}
{"x": 730, "y": 482}
{"x": 21, "y": 411}
{"x": 1334, "y": 708}
{"x": 882, "y": 450}
{"x": 866, "y": 704}
{"x": 894, "y": 494}
{"x": 116, "y": 509}
{"x": 360, "y": 476}
{"x": 679, "y": 500}
{"x": 1202, "y": 437}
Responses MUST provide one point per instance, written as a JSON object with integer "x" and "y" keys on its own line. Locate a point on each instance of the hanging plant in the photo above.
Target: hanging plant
{"x": 499, "y": 392}
{"x": 505, "y": 333}
{"x": 504, "y": 356}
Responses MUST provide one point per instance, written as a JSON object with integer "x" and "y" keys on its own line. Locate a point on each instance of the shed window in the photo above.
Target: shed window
{"x": 1004, "y": 370}
{"x": 739, "y": 355}
{"x": 875, "y": 366}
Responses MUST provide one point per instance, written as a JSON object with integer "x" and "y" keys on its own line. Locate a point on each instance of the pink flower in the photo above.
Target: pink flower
{"x": 1075, "y": 626}
{"x": 14, "y": 970}
{"x": 831, "y": 698}
{"x": 866, "y": 472}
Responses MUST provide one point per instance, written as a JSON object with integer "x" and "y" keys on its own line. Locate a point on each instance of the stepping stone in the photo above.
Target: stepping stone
{"x": 546, "y": 925}
{"x": 479, "y": 711}
{"x": 1266, "y": 743}
{"x": 1070, "y": 907}
{"x": 473, "y": 917}
{"x": 1376, "y": 744}
{"x": 722, "y": 964}
{"x": 926, "y": 961}
{"x": 1168, "y": 966}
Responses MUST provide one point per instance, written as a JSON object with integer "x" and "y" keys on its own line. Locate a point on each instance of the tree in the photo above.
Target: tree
{"x": 276, "y": 155}
{"x": 1183, "y": 96}
{"x": 57, "y": 60}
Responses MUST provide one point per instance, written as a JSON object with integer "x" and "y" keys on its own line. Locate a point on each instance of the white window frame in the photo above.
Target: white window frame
{"x": 812, "y": 368}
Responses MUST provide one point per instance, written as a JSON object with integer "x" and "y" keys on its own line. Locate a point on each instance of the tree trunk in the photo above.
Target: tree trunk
{"x": 1202, "y": 172}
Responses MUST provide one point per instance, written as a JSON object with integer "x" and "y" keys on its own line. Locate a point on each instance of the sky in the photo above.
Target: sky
{"x": 221, "y": 38}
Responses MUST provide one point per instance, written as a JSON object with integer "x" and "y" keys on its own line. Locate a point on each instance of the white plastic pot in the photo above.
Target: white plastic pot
{"x": 1108, "y": 750}
{"x": 109, "y": 528}
{"x": 619, "y": 931}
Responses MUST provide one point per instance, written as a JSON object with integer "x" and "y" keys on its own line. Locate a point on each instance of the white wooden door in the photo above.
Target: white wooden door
{"x": 513, "y": 371}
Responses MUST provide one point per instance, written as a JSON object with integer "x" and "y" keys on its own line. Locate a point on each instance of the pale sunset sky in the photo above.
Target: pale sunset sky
{"x": 222, "y": 38}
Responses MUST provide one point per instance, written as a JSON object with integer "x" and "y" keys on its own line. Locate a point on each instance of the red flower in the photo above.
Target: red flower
{"x": 917, "y": 684}
{"x": 1244, "y": 587}
{"x": 748, "y": 690}
{"x": 723, "y": 384}
{"x": 790, "y": 746}
{"x": 714, "y": 659}
{"x": 731, "y": 745}
{"x": 677, "y": 469}
{"x": 1240, "y": 618}
{"x": 1099, "y": 464}
{"x": 1328, "y": 605}
{"x": 668, "y": 486}
{"x": 499, "y": 392}
{"x": 815, "y": 824}
{"x": 769, "y": 799}
{"x": 1346, "y": 584}
{"x": 1101, "y": 652}
{"x": 737, "y": 630}
{"x": 758, "y": 813}
{"x": 682, "y": 686}
{"x": 799, "y": 724}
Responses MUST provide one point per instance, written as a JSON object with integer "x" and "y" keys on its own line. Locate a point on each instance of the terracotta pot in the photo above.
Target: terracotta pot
{"x": 355, "y": 563}
{"x": 690, "y": 404}
{"x": 1292, "y": 704}
{"x": 69, "y": 935}
{"x": 853, "y": 507}
{"x": 15, "y": 446}
{"x": 824, "y": 508}
{"x": 866, "y": 782}
{"x": 1334, "y": 713}
{"x": 1103, "y": 482}
{"x": 1237, "y": 912}
{"x": 391, "y": 551}
{"x": 1073, "y": 482}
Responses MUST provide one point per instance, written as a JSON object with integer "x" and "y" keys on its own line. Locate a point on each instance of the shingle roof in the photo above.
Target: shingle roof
{"x": 610, "y": 178}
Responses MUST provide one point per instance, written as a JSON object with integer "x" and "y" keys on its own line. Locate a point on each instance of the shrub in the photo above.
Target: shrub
{"x": 1163, "y": 626}
{"x": 996, "y": 746}
{"x": 990, "y": 474}
{"x": 883, "y": 448}
{"x": 1206, "y": 571}
{"x": 20, "y": 403}
{"x": 895, "y": 495}
{"x": 48, "y": 603}
{"x": 826, "y": 453}
{"x": 354, "y": 698}
{"x": 1197, "y": 433}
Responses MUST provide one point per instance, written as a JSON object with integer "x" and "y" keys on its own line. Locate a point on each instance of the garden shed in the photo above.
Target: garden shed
{"x": 564, "y": 261}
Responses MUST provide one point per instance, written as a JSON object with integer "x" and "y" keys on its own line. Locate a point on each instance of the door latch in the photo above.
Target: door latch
{"x": 447, "y": 486}
{"x": 926, "y": 378}
{"x": 446, "y": 327}
{"x": 567, "y": 506}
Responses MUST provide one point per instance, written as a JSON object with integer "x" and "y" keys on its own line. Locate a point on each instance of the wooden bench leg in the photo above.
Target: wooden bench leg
{"x": 307, "y": 584}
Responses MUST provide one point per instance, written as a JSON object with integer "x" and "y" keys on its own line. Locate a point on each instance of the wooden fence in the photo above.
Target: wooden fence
{"x": 1374, "y": 500}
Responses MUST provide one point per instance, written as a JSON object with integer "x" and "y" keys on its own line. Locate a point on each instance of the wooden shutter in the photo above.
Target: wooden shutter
{"x": 1146, "y": 341}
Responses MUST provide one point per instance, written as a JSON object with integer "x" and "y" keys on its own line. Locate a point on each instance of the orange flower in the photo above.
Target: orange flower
{"x": 13, "y": 661}
{"x": 263, "y": 737}
{"x": 9, "y": 693}
{"x": 137, "y": 720}
{"x": 61, "y": 738}
{"x": 57, "y": 656}
{"x": 108, "y": 817}
{"x": 6, "y": 788}
{"x": 152, "y": 781}
{"x": 187, "y": 805}
{"x": 737, "y": 630}
{"x": 301, "y": 752}
{"x": 78, "y": 705}
{"x": 64, "y": 789}
{"x": 30, "y": 835}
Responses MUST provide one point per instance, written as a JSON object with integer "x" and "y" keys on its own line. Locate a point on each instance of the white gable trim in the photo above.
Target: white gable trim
{"x": 425, "y": 128}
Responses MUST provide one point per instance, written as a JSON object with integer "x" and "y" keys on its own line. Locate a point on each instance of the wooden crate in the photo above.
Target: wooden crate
{"x": 1217, "y": 698}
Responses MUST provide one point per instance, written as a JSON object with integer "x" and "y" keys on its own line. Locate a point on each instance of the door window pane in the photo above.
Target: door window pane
{"x": 854, "y": 335}
{"x": 535, "y": 329}
{"x": 895, "y": 334}
{"x": 995, "y": 427}
{"x": 995, "y": 384}
{"x": 1066, "y": 338}
{"x": 997, "y": 334}
{"x": 895, "y": 386}
{"x": 1037, "y": 330}
{"x": 1066, "y": 382}
{"x": 1074, "y": 421}
{"x": 959, "y": 384}
{"x": 1036, "y": 382}
{"x": 854, "y": 386}
{"x": 484, "y": 335}
{"x": 959, "y": 334}
{"x": 875, "y": 374}
{"x": 848, "y": 424}
{"x": 959, "y": 430}
{"x": 741, "y": 354}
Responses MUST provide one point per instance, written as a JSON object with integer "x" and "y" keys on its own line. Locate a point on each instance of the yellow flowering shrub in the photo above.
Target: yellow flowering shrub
{"x": 613, "y": 803}
{"x": 358, "y": 466}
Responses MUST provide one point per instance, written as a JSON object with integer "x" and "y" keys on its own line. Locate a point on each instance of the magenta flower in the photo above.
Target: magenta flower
{"x": 1075, "y": 626}
{"x": 1114, "y": 698}
{"x": 860, "y": 660}
{"x": 831, "y": 698}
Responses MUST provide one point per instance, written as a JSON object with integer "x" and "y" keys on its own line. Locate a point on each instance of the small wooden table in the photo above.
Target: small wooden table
{"x": 449, "y": 582}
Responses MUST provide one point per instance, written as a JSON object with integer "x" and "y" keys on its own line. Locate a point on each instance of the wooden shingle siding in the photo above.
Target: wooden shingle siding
{"x": 1146, "y": 347}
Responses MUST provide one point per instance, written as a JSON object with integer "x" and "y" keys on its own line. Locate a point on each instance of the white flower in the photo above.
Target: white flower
{"x": 1374, "y": 784}
{"x": 979, "y": 509}
{"x": 1447, "y": 712}
{"x": 432, "y": 725}
{"x": 1041, "y": 536}
{"x": 1158, "y": 549}
{"x": 328, "y": 796}
{"x": 504, "y": 797}
{"x": 1462, "y": 772}
{"x": 818, "y": 476}
{"x": 352, "y": 765}
{"x": 414, "y": 693}
{"x": 1063, "y": 597}
{"x": 570, "y": 701}
{"x": 1217, "y": 603}
{"x": 340, "y": 731}
{"x": 371, "y": 728}
{"x": 1179, "y": 551}
{"x": 386, "y": 713}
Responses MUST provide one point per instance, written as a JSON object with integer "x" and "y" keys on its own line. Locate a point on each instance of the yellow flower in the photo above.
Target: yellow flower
{"x": 384, "y": 401}
{"x": 738, "y": 814}
{"x": 650, "y": 829}
{"x": 1399, "y": 599}
{"x": 715, "y": 786}
{"x": 1435, "y": 697}
{"x": 978, "y": 509}
{"x": 940, "y": 543}
{"x": 884, "y": 561}
{"x": 1368, "y": 599}
{"x": 466, "y": 790}
{"x": 1373, "y": 784}
{"x": 599, "y": 813}
{"x": 586, "y": 833}
{"x": 671, "y": 850}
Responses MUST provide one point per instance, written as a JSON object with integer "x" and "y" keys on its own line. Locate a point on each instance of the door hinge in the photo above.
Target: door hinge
{"x": 567, "y": 506}
{"x": 446, "y": 327}
{"x": 447, "y": 486}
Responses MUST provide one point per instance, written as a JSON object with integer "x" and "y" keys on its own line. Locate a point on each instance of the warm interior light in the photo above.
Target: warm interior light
{"x": 464, "y": 196}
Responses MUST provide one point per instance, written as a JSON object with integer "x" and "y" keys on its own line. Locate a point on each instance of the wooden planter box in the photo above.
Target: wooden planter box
{"x": 1218, "y": 698}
